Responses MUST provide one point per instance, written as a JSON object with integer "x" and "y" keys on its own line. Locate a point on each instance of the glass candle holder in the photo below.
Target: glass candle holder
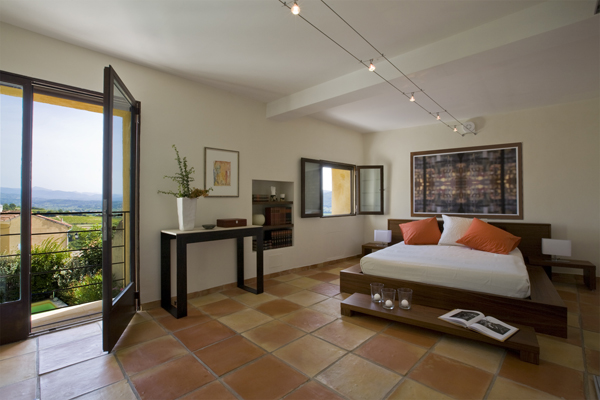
{"x": 376, "y": 292}
{"x": 405, "y": 298}
{"x": 388, "y": 297}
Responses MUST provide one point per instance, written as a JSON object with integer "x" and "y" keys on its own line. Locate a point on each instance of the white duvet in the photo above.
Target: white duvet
{"x": 452, "y": 266}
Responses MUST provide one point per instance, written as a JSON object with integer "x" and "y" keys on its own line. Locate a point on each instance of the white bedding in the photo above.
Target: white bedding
{"x": 452, "y": 266}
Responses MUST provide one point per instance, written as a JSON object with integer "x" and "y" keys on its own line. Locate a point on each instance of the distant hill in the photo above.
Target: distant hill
{"x": 58, "y": 199}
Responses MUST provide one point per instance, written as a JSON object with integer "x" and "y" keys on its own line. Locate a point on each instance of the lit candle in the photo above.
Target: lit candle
{"x": 388, "y": 303}
{"x": 376, "y": 296}
{"x": 404, "y": 303}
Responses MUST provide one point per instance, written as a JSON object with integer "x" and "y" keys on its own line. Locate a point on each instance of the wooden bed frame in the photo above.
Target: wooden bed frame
{"x": 544, "y": 310}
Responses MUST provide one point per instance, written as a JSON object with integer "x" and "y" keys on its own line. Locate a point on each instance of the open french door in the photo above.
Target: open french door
{"x": 120, "y": 293}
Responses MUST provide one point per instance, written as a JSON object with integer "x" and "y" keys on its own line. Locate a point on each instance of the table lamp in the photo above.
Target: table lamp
{"x": 383, "y": 236}
{"x": 555, "y": 248}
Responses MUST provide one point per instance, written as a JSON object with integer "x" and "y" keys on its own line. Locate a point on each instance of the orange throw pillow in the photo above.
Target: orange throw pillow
{"x": 485, "y": 237}
{"x": 425, "y": 231}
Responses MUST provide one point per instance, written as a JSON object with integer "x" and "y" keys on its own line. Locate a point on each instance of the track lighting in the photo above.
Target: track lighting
{"x": 412, "y": 96}
{"x": 371, "y": 66}
{"x": 295, "y": 9}
{"x": 438, "y": 117}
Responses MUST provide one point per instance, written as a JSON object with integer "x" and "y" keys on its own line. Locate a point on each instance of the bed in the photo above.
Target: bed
{"x": 543, "y": 309}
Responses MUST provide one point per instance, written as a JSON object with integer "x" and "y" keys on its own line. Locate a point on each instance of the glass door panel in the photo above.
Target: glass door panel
{"x": 370, "y": 189}
{"x": 120, "y": 138}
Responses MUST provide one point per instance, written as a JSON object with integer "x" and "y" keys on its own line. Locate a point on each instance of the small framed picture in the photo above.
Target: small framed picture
{"x": 222, "y": 172}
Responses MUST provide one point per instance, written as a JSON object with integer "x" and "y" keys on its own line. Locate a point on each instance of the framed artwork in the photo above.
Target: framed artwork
{"x": 484, "y": 181}
{"x": 222, "y": 172}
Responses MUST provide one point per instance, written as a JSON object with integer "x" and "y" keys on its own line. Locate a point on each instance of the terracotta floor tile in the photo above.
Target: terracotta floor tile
{"x": 283, "y": 289}
{"x": 287, "y": 277}
{"x": 309, "y": 354}
{"x": 308, "y": 320}
{"x": 589, "y": 298}
{"x": 139, "y": 333}
{"x": 18, "y": 348}
{"x": 592, "y": 361}
{"x": 411, "y": 390}
{"x": 265, "y": 379}
{"x": 504, "y": 389}
{"x": 267, "y": 283}
{"x": 222, "y": 308}
{"x": 245, "y": 320}
{"x": 342, "y": 296}
{"x": 308, "y": 272}
{"x": 326, "y": 289}
{"x": 590, "y": 322}
{"x": 212, "y": 391}
{"x": 391, "y": 353}
{"x": 140, "y": 316}
{"x": 157, "y": 312}
{"x": 414, "y": 335}
{"x": 573, "y": 336}
{"x": 548, "y": 377}
{"x": 80, "y": 378}
{"x": 252, "y": 300}
{"x": 564, "y": 278}
{"x": 202, "y": 335}
{"x": 171, "y": 380}
{"x": 209, "y": 298}
{"x": 356, "y": 378}
{"x": 561, "y": 353}
{"x": 344, "y": 334}
{"x": 68, "y": 335}
{"x": 329, "y": 306}
{"x": 278, "y": 308}
{"x": 567, "y": 287}
{"x": 324, "y": 277}
{"x": 18, "y": 368}
{"x": 20, "y": 390}
{"x": 70, "y": 353}
{"x": 229, "y": 354}
{"x": 567, "y": 296}
{"x": 313, "y": 391}
{"x": 117, "y": 391}
{"x": 480, "y": 355}
{"x": 273, "y": 335}
{"x": 194, "y": 317}
{"x": 572, "y": 306}
{"x": 452, "y": 377}
{"x": 305, "y": 282}
{"x": 591, "y": 340}
{"x": 593, "y": 309}
{"x": 573, "y": 320}
{"x": 335, "y": 270}
{"x": 233, "y": 292}
{"x": 149, "y": 354}
{"x": 306, "y": 298}
{"x": 368, "y": 321}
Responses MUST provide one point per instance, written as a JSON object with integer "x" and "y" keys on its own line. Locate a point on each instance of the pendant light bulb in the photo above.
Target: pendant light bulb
{"x": 455, "y": 130}
{"x": 412, "y": 96}
{"x": 438, "y": 117}
{"x": 295, "y": 9}
{"x": 371, "y": 66}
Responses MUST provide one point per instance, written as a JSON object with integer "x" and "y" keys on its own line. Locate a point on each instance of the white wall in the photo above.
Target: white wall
{"x": 561, "y": 167}
{"x": 192, "y": 116}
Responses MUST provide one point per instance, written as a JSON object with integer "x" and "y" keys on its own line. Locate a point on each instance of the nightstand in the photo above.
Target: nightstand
{"x": 370, "y": 247}
{"x": 589, "y": 269}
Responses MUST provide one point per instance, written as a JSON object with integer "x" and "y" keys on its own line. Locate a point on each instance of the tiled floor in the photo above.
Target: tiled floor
{"x": 291, "y": 342}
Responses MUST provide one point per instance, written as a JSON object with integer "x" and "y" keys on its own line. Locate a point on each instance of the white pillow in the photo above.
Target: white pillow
{"x": 454, "y": 229}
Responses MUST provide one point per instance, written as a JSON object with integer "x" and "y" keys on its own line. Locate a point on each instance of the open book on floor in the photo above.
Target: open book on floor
{"x": 478, "y": 322}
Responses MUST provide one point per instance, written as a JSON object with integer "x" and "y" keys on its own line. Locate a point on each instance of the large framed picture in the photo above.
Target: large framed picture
{"x": 484, "y": 181}
{"x": 222, "y": 172}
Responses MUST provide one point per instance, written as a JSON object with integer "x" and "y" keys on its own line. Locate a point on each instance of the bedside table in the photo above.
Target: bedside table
{"x": 370, "y": 247}
{"x": 589, "y": 269}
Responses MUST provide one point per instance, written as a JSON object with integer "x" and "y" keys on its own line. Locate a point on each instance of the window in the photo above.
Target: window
{"x": 332, "y": 189}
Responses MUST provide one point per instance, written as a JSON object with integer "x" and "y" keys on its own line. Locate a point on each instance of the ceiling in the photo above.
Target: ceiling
{"x": 474, "y": 58}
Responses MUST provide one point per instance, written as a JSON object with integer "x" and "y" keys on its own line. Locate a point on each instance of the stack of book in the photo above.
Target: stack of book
{"x": 260, "y": 197}
{"x": 276, "y": 239}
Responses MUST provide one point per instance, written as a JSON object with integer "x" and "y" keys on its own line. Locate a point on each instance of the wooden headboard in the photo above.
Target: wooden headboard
{"x": 531, "y": 234}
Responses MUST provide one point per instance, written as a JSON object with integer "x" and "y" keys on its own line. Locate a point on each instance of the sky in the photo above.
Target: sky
{"x": 67, "y": 147}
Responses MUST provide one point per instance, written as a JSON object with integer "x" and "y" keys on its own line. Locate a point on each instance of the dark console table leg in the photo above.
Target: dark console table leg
{"x": 165, "y": 271}
{"x": 259, "y": 264}
{"x": 181, "y": 278}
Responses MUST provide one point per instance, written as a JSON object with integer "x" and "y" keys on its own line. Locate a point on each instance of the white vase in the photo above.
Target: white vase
{"x": 186, "y": 212}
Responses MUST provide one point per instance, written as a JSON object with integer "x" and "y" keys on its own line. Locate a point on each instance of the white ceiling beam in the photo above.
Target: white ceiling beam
{"x": 361, "y": 84}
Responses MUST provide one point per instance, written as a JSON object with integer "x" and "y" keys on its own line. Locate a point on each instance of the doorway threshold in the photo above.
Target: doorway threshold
{"x": 66, "y": 317}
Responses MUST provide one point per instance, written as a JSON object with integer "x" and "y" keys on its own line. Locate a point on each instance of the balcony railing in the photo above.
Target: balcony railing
{"x": 66, "y": 265}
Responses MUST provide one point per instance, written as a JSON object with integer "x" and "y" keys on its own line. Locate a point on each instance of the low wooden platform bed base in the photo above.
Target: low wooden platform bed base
{"x": 544, "y": 310}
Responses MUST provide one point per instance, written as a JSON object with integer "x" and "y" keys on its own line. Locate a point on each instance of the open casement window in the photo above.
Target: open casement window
{"x": 332, "y": 189}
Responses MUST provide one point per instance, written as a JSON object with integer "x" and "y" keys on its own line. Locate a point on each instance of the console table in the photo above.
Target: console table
{"x": 182, "y": 239}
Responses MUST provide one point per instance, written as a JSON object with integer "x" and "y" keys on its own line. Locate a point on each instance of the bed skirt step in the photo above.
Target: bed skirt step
{"x": 544, "y": 311}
